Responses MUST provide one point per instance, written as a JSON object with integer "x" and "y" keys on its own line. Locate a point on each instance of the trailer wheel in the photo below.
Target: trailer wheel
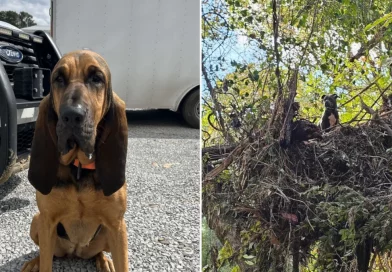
{"x": 191, "y": 109}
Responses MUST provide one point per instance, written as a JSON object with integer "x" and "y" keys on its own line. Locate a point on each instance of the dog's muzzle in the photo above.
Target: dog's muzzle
{"x": 75, "y": 128}
{"x": 72, "y": 116}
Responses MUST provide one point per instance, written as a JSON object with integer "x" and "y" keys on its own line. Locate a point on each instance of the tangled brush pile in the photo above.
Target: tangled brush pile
{"x": 325, "y": 203}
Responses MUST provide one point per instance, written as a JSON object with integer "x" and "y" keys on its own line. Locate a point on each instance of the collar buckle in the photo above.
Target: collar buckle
{"x": 90, "y": 166}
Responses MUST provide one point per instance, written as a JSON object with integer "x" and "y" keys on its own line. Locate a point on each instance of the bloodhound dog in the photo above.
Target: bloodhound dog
{"x": 77, "y": 167}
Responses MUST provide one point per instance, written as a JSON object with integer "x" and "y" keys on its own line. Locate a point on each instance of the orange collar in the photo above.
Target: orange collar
{"x": 90, "y": 166}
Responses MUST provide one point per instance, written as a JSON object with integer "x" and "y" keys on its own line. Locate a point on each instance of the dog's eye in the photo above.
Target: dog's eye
{"x": 59, "y": 79}
{"x": 96, "y": 79}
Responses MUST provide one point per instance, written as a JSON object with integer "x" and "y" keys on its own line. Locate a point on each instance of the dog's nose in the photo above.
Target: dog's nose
{"x": 72, "y": 115}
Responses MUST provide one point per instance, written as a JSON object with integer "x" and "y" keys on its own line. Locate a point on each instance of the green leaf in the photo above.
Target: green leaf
{"x": 256, "y": 75}
{"x": 324, "y": 67}
{"x": 244, "y": 13}
{"x": 262, "y": 46}
{"x": 386, "y": 18}
{"x": 236, "y": 269}
{"x": 225, "y": 253}
{"x": 303, "y": 20}
{"x": 249, "y": 263}
{"x": 248, "y": 257}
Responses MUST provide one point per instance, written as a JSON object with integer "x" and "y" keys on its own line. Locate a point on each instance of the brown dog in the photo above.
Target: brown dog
{"x": 77, "y": 166}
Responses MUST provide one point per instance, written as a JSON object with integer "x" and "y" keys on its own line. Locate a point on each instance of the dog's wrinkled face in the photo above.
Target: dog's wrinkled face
{"x": 80, "y": 86}
{"x": 330, "y": 101}
{"x": 81, "y": 118}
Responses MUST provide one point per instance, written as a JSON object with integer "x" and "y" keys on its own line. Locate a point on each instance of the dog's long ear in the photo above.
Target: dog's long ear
{"x": 323, "y": 96}
{"x": 44, "y": 158}
{"x": 111, "y": 149}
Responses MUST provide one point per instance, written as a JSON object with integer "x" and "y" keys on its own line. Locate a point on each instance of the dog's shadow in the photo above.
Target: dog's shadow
{"x": 13, "y": 203}
{"x": 17, "y": 263}
{"x": 59, "y": 264}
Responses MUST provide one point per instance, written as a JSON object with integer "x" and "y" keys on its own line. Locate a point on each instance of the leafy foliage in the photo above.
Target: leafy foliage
{"x": 318, "y": 38}
{"x": 20, "y": 20}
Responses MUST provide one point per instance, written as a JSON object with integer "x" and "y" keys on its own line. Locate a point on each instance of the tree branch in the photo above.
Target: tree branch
{"x": 217, "y": 105}
{"x": 218, "y": 150}
{"x": 362, "y": 91}
{"x": 369, "y": 45}
{"x": 226, "y": 163}
{"x": 376, "y": 117}
{"x": 275, "y": 23}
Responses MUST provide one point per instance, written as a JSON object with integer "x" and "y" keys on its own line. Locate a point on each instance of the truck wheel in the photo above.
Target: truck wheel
{"x": 191, "y": 109}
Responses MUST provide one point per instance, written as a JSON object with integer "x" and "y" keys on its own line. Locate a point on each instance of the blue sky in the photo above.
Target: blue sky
{"x": 237, "y": 48}
{"x": 39, "y": 9}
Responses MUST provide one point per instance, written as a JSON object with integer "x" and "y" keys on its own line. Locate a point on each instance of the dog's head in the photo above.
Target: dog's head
{"x": 81, "y": 95}
{"x": 81, "y": 119}
{"x": 330, "y": 101}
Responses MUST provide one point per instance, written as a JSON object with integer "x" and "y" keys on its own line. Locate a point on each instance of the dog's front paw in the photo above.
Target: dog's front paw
{"x": 31, "y": 266}
{"x": 104, "y": 264}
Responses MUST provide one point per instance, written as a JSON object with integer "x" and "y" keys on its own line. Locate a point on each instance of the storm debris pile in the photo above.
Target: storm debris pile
{"x": 325, "y": 202}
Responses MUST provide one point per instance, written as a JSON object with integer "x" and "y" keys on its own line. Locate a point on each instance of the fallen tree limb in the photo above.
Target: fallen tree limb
{"x": 218, "y": 150}
{"x": 226, "y": 163}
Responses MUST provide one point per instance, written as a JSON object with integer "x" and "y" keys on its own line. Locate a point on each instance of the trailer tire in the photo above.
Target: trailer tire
{"x": 191, "y": 109}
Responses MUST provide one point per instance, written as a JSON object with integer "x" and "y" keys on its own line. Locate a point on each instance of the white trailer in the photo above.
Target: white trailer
{"x": 152, "y": 48}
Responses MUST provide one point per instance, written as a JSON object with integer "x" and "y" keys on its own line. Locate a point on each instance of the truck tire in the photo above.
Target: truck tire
{"x": 191, "y": 109}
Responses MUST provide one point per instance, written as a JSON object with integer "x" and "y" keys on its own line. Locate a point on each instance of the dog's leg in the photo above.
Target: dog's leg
{"x": 34, "y": 229}
{"x": 118, "y": 244}
{"x": 104, "y": 264}
{"x": 40, "y": 234}
{"x": 47, "y": 241}
{"x": 31, "y": 266}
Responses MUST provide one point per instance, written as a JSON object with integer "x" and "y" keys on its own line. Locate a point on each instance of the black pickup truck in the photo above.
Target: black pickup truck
{"x": 26, "y": 61}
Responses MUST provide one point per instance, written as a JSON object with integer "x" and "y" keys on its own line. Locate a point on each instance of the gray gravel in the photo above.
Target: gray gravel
{"x": 163, "y": 215}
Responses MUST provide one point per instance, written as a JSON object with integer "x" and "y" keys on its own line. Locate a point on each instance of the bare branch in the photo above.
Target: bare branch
{"x": 217, "y": 105}
{"x": 275, "y": 23}
{"x": 362, "y": 91}
{"x": 369, "y": 45}
{"x": 376, "y": 117}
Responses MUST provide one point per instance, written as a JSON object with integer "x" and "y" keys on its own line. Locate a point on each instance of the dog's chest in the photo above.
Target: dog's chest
{"x": 81, "y": 222}
{"x": 81, "y": 215}
{"x": 76, "y": 236}
{"x": 329, "y": 119}
{"x": 84, "y": 214}
{"x": 332, "y": 120}
{"x": 81, "y": 218}
{"x": 85, "y": 203}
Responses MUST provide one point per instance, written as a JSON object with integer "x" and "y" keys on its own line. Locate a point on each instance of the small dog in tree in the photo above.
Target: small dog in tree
{"x": 330, "y": 116}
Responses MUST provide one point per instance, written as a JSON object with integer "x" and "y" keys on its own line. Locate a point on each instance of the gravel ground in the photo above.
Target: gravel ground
{"x": 163, "y": 215}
